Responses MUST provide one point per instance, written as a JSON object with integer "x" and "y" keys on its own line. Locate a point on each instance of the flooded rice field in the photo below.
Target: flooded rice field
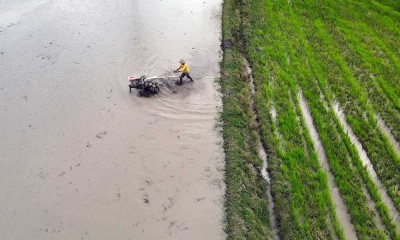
{"x": 262, "y": 153}
{"x": 393, "y": 213}
{"x": 81, "y": 157}
{"x": 340, "y": 207}
{"x": 386, "y": 131}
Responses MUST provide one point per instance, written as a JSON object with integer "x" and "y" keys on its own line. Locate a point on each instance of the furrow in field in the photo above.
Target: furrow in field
{"x": 333, "y": 140}
{"x": 312, "y": 162}
{"x": 338, "y": 80}
{"x": 276, "y": 130}
{"x": 376, "y": 74}
{"x": 373, "y": 207}
{"x": 263, "y": 155}
{"x": 246, "y": 199}
{"x": 295, "y": 179}
{"x": 302, "y": 168}
{"x": 349, "y": 185}
{"x": 394, "y": 214}
{"x": 366, "y": 54}
{"x": 340, "y": 208}
{"x": 279, "y": 63}
{"x": 385, "y": 130}
{"x": 346, "y": 166}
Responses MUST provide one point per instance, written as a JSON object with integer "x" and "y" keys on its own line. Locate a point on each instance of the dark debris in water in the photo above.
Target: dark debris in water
{"x": 226, "y": 44}
{"x": 100, "y": 134}
{"x": 146, "y": 198}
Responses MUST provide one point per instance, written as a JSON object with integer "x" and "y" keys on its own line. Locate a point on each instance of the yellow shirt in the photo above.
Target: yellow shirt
{"x": 184, "y": 68}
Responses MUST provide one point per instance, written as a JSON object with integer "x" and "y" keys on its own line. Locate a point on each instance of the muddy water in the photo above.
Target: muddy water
{"x": 81, "y": 158}
{"x": 340, "y": 207}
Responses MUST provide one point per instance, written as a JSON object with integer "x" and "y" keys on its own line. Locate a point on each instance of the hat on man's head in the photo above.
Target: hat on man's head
{"x": 181, "y": 61}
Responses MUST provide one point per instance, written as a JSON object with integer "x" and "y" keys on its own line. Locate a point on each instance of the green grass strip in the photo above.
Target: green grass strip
{"x": 299, "y": 160}
{"x": 372, "y": 62}
{"x": 348, "y": 182}
{"x": 375, "y": 64}
{"x": 246, "y": 202}
{"x": 282, "y": 56}
{"x": 354, "y": 102}
{"x": 393, "y": 4}
{"x": 371, "y": 70}
{"x": 332, "y": 136}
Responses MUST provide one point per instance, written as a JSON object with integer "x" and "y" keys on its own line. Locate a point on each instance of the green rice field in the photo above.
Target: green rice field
{"x": 324, "y": 74}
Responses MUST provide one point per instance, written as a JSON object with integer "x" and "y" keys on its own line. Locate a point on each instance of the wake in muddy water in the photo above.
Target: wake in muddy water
{"x": 170, "y": 85}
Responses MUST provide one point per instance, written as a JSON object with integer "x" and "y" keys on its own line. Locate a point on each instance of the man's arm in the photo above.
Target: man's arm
{"x": 179, "y": 68}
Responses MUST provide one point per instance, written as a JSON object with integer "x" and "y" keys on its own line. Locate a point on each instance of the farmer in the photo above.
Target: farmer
{"x": 184, "y": 68}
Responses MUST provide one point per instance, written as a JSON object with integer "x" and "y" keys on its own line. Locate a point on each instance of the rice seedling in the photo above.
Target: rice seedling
{"x": 339, "y": 80}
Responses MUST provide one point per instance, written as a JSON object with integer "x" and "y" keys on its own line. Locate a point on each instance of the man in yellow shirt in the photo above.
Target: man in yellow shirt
{"x": 184, "y": 68}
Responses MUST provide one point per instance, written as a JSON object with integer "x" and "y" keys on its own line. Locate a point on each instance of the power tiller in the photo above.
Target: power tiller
{"x": 147, "y": 87}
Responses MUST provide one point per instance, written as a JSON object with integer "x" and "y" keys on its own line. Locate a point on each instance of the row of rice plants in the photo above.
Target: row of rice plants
{"x": 391, "y": 4}
{"x": 383, "y": 21}
{"x": 294, "y": 146}
{"x": 246, "y": 200}
{"x": 348, "y": 180}
{"x": 264, "y": 29}
{"x": 384, "y": 9}
{"x": 379, "y": 20}
{"x": 342, "y": 157}
{"x": 299, "y": 162}
{"x": 302, "y": 208}
{"x": 375, "y": 64}
{"x": 341, "y": 152}
{"x": 371, "y": 73}
{"x": 341, "y": 82}
{"x": 367, "y": 55}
